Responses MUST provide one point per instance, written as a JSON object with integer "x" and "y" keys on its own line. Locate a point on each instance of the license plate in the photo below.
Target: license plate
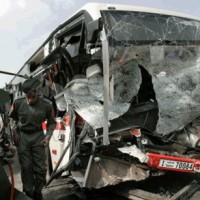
{"x": 171, "y": 164}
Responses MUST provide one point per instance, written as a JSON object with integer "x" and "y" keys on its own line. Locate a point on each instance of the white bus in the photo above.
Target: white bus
{"x": 125, "y": 82}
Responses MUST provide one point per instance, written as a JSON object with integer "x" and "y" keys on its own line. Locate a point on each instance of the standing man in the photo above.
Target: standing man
{"x": 28, "y": 114}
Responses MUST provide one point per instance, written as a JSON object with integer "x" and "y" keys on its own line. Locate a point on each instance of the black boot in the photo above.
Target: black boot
{"x": 29, "y": 194}
{"x": 38, "y": 195}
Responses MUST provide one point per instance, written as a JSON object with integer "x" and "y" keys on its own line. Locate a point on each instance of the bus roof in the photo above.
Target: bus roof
{"x": 94, "y": 10}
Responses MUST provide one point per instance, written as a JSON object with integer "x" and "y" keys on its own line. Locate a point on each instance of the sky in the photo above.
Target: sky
{"x": 25, "y": 24}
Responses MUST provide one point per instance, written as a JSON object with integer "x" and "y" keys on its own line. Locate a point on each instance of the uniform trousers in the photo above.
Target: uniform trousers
{"x": 32, "y": 158}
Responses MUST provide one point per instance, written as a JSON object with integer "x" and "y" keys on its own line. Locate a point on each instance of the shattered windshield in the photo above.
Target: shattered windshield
{"x": 135, "y": 27}
{"x": 154, "y": 68}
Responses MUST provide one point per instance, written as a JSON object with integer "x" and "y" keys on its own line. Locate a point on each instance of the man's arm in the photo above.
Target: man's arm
{"x": 13, "y": 123}
{"x": 51, "y": 124}
{"x": 13, "y": 111}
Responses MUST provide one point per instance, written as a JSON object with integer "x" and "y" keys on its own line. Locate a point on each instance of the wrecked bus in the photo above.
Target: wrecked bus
{"x": 125, "y": 85}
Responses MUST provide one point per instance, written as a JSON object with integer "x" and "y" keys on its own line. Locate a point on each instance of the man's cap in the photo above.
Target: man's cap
{"x": 30, "y": 85}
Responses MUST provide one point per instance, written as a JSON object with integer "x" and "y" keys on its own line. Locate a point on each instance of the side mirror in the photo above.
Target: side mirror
{"x": 92, "y": 30}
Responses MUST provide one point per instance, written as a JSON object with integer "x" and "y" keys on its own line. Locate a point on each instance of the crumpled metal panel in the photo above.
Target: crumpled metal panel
{"x": 135, "y": 152}
{"x": 108, "y": 171}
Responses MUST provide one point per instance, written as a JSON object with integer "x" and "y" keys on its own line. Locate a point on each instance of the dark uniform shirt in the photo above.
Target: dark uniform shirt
{"x": 29, "y": 118}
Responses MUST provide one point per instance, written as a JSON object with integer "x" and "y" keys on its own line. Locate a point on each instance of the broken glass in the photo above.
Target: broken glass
{"x": 166, "y": 51}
